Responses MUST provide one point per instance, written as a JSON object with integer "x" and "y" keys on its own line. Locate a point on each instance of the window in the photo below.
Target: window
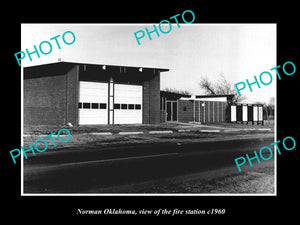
{"x": 184, "y": 108}
{"x": 86, "y": 105}
{"x": 102, "y": 105}
{"x": 123, "y": 106}
{"x": 95, "y": 105}
{"x": 116, "y": 106}
{"x": 137, "y": 106}
{"x": 131, "y": 106}
{"x": 162, "y": 103}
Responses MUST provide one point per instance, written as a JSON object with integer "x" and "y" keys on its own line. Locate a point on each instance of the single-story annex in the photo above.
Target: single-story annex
{"x": 199, "y": 108}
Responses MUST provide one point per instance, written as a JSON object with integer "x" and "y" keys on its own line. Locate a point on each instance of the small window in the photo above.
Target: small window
{"x": 184, "y": 108}
{"x": 95, "y": 105}
{"x": 131, "y": 106}
{"x": 137, "y": 106}
{"x": 117, "y": 106}
{"x": 102, "y": 105}
{"x": 79, "y": 105}
{"x": 86, "y": 105}
{"x": 123, "y": 106}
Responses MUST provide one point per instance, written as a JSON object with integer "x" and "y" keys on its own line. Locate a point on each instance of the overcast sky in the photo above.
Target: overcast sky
{"x": 238, "y": 51}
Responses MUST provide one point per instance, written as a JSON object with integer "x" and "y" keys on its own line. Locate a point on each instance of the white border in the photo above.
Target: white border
{"x": 130, "y": 194}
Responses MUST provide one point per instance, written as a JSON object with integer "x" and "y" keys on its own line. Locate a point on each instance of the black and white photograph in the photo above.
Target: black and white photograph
{"x": 157, "y": 116}
{"x": 141, "y": 111}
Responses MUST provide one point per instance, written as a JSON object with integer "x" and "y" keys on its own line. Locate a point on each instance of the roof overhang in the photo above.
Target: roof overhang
{"x": 173, "y": 95}
{"x": 61, "y": 68}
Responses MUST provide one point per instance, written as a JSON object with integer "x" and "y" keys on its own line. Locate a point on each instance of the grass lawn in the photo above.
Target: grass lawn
{"x": 267, "y": 124}
{"x": 82, "y": 135}
{"x": 48, "y": 129}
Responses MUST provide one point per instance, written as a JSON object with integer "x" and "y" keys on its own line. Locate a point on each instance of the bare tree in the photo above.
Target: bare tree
{"x": 220, "y": 87}
{"x": 207, "y": 86}
{"x": 270, "y": 109}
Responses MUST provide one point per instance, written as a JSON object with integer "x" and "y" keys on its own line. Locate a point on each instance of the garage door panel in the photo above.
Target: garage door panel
{"x": 93, "y": 103}
{"x": 127, "y": 117}
{"x": 92, "y": 116}
{"x": 129, "y": 100}
{"x": 128, "y": 94}
{"x": 93, "y": 92}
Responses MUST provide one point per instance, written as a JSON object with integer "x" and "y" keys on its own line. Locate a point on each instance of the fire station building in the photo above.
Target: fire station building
{"x": 91, "y": 94}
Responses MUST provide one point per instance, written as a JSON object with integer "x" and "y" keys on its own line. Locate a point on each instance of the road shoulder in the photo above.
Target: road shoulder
{"x": 258, "y": 180}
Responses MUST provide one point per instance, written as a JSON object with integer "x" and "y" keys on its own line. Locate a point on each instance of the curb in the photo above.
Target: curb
{"x": 265, "y": 129}
{"x": 187, "y": 130}
{"x": 44, "y": 135}
{"x": 160, "y": 132}
{"x": 210, "y": 131}
{"x": 130, "y": 132}
{"x": 101, "y": 133}
{"x": 231, "y": 130}
{"x": 248, "y": 129}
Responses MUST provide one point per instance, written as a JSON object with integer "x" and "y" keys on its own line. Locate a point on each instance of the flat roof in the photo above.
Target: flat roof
{"x": 61, "y": 68}
{"x": 68, "y": 64}
{"x": 169, "y": 94}
{"x": 214, "y": 96}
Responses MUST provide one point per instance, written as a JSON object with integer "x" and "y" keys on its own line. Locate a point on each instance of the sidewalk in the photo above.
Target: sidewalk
{"x": 120, "y": 135}
{"x": 134, "y": 129}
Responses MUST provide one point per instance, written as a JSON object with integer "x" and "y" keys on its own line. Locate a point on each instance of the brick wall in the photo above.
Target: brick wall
{"x": 45, "y": 100}
{"x": 72, "y": 86}
{"x": 151, "y": 101}
{"x": 146, "y": 102}
{"x": 185, "y": 111}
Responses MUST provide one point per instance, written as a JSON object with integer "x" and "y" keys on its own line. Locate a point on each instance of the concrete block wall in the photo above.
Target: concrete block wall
{"x": 185, "y": 111}
{"x": 72, "y": 87}
{"x": 45, "y": 100}
{"x": 52, "y": 100}
{"x": 151, "y": 101}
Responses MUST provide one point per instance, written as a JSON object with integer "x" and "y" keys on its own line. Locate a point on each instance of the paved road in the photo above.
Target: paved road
{"x": 79, "y": 170}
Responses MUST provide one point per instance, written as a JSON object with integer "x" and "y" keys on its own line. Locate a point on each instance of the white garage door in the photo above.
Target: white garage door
{"x": 93, "y": 99}
{"x": 128, "y": 103}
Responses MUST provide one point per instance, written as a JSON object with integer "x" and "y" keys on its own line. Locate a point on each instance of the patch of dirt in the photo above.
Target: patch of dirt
{"x": 249, "y": 182}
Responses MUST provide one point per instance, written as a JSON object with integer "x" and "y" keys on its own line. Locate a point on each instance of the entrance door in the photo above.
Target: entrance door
{"x": 171, "y": 110}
